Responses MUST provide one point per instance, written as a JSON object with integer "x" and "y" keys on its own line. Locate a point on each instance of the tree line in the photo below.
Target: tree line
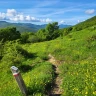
{"x": 50, "y": 32}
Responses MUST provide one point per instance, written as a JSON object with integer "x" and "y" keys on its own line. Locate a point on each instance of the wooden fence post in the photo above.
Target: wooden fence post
{"x": 18, "y": 77}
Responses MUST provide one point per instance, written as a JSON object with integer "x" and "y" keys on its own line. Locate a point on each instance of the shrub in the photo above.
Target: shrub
{"x": 92, "y": 38}
{"x": 9, "y": 34}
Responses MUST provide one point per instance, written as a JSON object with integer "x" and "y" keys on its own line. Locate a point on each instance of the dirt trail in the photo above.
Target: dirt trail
{"x": 55, "y": 91}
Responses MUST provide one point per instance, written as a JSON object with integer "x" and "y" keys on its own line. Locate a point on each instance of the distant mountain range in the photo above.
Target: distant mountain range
{"x": 64, "y": 26}
{"x": 26, "y": 27}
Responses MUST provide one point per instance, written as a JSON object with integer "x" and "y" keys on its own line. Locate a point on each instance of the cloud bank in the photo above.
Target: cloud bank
{"x": 13, "y": 15}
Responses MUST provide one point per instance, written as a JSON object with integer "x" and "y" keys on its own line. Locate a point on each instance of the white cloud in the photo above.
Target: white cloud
{"x": 33, "y": 19}
{"x": 21, "y": 17}
{"x": 11, "y": 12}
{"x": 46, "y": 20}
{"x": 13, "y": 19}
{"x": 90, "y": 11}
{"x": 78, "y": 21}
{"x": 13, "y": 15}
{"x": 17, "y": 18}
{"x": 62, "y": 21}
{"x": 2, "y": 16}
{"x": 28, "y": 17}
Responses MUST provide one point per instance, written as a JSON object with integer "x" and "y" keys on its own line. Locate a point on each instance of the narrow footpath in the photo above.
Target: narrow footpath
{"x": 55, "y": 91}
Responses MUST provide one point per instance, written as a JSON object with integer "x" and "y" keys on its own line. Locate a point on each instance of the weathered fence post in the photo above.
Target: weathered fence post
{"x": 18, "y": 77}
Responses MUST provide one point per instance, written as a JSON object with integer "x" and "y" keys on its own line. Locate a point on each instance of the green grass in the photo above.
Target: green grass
{"x": 37, "y": 73}
{"x": 37, "y": 80}
{"x": 76, "y": 51}
{"x": 79, "y": 79}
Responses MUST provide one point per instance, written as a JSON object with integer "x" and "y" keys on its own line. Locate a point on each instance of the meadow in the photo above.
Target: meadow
{"x": 76, "y": 52}
{"x": 77, "y": 55}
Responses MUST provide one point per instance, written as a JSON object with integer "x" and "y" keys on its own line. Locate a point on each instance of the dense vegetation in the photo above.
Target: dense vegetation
{"x": 9, "y": 34}
{"x": 76, "y": 50}
{"x": 50, "y": 32}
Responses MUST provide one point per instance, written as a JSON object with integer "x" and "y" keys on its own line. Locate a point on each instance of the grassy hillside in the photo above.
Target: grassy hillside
{"x": 76, "y": 51}
{"x": 77, "y": 55}
{"x": 85, "y": 24}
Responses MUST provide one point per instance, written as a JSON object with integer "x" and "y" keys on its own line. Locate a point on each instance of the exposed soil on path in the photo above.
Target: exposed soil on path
{"x": 55, "y": 91}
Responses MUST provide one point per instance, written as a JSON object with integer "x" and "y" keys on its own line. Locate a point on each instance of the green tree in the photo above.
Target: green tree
{"x": 29, "y": 37}
{"x": 24, "y": 37}
{"x": 33, "y": 39}
{"x": 9, "y": 34}
{"x": 52, "y": 30}
{"x": 67, "y": 31}
{"x": 42, "y": 35}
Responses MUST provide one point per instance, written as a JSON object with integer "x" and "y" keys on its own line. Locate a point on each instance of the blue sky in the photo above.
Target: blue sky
{"x": 45, "y": 11}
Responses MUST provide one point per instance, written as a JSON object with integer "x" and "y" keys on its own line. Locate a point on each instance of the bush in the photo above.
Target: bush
{"x": 9, "y": 34}
{"x": 33, "y": 39}
{"x": 92, "y": 38}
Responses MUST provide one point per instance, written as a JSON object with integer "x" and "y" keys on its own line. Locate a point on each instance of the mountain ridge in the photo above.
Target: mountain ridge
{"x": 26, "y": 27}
